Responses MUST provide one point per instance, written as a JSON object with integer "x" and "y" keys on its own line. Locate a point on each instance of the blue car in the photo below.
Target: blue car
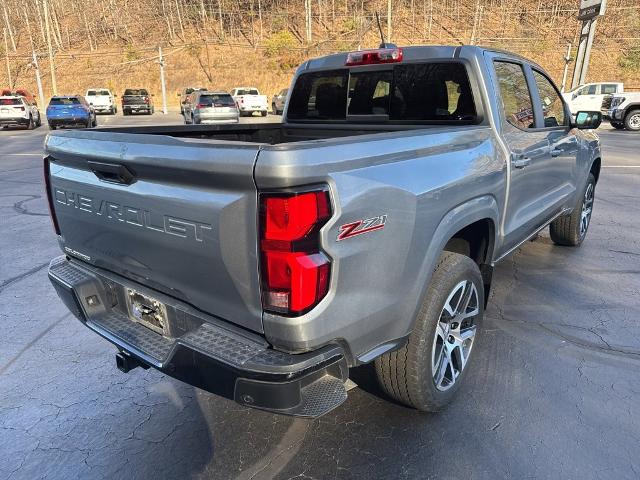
{"x": 70, "y": 110}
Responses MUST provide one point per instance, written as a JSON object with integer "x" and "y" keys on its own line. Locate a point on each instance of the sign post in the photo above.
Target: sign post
{"x": 589, "y": 12}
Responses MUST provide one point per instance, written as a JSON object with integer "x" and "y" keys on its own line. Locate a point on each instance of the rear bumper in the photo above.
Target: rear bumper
{"x": 204, "y": 351}
{"x": 137, "y": 108}
{"x": 68, "y": 121}
{"x": 209, "y": 120}
{"x": 14, "y": 121}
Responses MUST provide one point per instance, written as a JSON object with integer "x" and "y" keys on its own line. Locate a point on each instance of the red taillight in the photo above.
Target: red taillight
{"x": 47, "y": 183}
{"x": 201, "y": 105}
{"x": 146, "y": 99}
{"x": 371, "y": 57}
{"x": 295, "y": 272}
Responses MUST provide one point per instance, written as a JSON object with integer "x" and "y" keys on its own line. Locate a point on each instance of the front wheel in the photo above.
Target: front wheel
{"x": 571, "y": 230}
{"x": 617, "y": 126}
{"x": 427, "y": 372}
{"x": 632, "y": 121}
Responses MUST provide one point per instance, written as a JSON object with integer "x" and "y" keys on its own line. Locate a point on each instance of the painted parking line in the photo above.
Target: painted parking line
{"x": 22, "y": 154}
{"x": 620, "y": 166}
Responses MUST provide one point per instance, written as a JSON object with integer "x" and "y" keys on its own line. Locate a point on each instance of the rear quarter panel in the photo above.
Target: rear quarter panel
{"x": 427, "y": 183}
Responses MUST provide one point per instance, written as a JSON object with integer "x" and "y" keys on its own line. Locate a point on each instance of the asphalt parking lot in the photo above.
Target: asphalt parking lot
{"x": 553, "y": 391}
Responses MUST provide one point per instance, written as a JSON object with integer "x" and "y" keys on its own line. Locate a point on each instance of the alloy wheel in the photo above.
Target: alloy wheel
{"x": 587, "y": 208}
{"x": 455, "y": 334}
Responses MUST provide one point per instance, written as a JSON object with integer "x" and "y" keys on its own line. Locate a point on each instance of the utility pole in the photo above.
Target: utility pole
{"x": 567, "y": 61}
{"x": 38, "y": 80}
{"x": 164, "y": 88}
{"x": 6, "y": 56}
{"x": 54, "y": 85}
{"x": 389, "y": 21}
{"x": 308, "y": 19}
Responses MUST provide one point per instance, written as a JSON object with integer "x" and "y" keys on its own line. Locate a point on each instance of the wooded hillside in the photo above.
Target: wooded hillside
{"x": 223, "y": 43}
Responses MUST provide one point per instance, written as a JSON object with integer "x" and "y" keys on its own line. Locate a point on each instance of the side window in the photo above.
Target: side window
{"x": 516, "y": 100}
{"x": 590, "y": 90}
{"x": 552, "y": 107}
{"x": 609, "y": 88}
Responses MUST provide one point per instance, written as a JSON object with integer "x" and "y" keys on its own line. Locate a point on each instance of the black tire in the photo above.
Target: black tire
{"x": 407, "y": 374}
{"x": 30, "y": 125}
{"x": 124, "y": 113}
{"x": 39, "y": 122}
{"x": 274, "y": 110}
{"x": 632, "y": 120}
{"x": 569, "y": 230}
{"x": 52, "y": 127}
{"x": 617, "y": 126}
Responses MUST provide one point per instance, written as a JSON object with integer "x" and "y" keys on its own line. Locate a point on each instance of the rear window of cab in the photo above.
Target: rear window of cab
{"x": 434, "y": 92}
{"x": 10, "y": 101}
{"x": 65, "y": 101}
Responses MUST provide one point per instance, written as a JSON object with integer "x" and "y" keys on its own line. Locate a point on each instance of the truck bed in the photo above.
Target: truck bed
{"x": 261, "y": 133}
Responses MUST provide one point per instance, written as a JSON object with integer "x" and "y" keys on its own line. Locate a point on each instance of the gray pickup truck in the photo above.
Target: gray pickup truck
{"x": 262, "y": 261}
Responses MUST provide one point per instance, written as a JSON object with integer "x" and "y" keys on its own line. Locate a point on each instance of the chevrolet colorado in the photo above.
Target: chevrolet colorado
{"x": 262, "y": 261}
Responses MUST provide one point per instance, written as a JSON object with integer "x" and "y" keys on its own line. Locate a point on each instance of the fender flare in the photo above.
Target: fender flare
{"x": 459, "y": 217}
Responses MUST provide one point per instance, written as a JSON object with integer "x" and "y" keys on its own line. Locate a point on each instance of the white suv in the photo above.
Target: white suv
{"x": 102, "y": 100}
{"x": 16, "y": 110}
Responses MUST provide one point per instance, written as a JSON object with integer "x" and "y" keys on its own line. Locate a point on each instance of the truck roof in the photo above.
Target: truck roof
{"x": 414, "y": 53}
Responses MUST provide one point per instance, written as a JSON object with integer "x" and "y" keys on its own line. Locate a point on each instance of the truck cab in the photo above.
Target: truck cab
{"x": 590, "y": 95}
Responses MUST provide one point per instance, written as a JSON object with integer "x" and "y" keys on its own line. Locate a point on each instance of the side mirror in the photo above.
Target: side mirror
{"x": 574, "y": 96}
{"x": 588, "y": 120}
{"x": 91, "y": 104}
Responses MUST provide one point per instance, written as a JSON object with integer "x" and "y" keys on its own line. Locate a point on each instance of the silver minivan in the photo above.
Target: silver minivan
{"x": 211, "y": 107}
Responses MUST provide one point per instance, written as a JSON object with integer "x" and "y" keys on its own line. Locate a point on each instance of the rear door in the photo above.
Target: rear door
{"x": 532, "y": 188}
{"x": 176, "y": 215}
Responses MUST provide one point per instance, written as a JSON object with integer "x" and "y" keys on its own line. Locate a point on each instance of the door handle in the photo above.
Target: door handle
{"x": 556, "y": 152}
{"x": 520, "y": 161}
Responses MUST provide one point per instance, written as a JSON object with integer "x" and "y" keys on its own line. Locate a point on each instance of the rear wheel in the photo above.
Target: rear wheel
{"x": 264, "y": 113}
{"x": 571, "y": 230}
{"x": 39, "y": 122}
{"x": 632, "y": 121}
{"x": 30, "y": 124}
{"x": 427, "y": 372}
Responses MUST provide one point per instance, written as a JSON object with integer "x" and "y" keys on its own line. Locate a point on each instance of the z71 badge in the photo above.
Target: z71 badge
{"x": 359, "y": 227}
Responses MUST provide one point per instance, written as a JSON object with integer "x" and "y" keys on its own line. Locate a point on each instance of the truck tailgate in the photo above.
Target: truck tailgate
{"x": 177, "y": 215}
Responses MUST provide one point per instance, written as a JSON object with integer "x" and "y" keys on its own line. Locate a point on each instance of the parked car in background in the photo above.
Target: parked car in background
{"x": 70, "y": 111}
{"x": 262, "y": 263}
{"x": 211, "y": 107}
{"x": 137, "y": 100}
{"x": 16, "y": 110}
{"x": 102, "y": 100}
{"x": 250, "y": 101}
{"x": 590, "y": 95}
{"x": 185, "y": 95}
{"x": 622, "y": 110}
{"x": 278, "y": 100}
